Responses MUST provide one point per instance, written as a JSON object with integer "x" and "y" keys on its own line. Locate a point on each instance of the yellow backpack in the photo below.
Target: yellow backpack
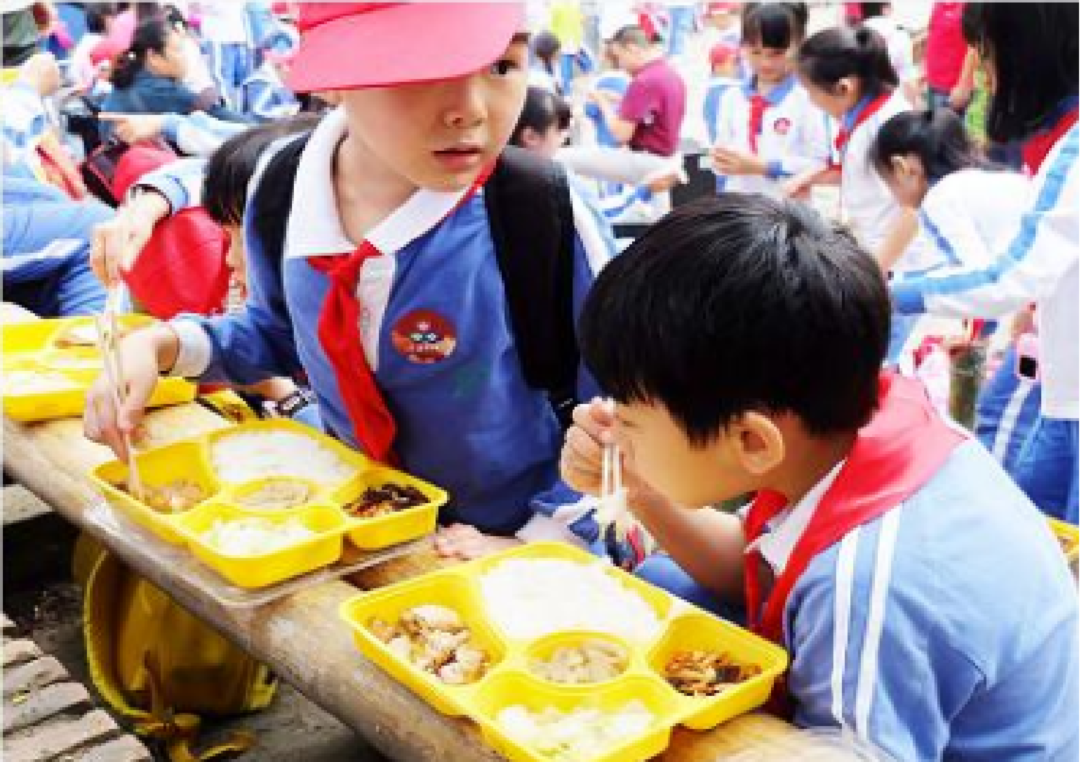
{"x": 159, "y": 666}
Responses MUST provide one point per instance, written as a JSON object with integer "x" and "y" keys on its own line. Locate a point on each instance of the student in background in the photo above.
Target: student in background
{"x": 148, "y": 78}
{"x": 767, "y": 129}
{"x": 879, "y": 17}
{"x": 543, "y": 124}
{"x": 866, "y": 551}
{"x": 1030, "y": 52}
{"x": 848, "y": 74}
{"x": 965, "y": 207}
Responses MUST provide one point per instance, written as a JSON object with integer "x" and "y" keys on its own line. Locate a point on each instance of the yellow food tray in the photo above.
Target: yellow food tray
{"x": 509, "y": 681}
{"x": 252, "y": 571}
{"x": 192, "y": 461}
{"x": 39, "y": 347}
{"x": 1069, "y": 537}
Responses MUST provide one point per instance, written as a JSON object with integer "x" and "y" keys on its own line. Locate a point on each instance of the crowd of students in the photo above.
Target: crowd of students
{"x": 750, "y": 347}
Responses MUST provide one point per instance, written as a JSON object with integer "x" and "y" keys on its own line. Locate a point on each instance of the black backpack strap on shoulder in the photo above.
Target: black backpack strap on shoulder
{"x": 532, "y": 226}
{"x": 273, "y": 200}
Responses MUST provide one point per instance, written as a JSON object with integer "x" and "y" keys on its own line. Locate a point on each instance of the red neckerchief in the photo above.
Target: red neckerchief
{"x": 851, "y": 124}
{"x": 759, "y": 104}
{"x": 339, "y": 333}
{"x": 893, "y": 457}
{"x": 1038, "y": 146}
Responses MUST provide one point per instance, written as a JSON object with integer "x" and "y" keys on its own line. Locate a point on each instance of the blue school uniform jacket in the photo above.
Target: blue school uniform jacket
{"x": 436, "y": 331}
{"x": 944, "y": 630}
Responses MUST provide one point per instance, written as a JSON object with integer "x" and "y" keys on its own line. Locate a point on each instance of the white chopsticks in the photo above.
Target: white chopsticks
{"x": 108, "y": 333}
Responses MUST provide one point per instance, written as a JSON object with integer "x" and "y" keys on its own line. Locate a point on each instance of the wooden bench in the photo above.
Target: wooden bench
{"x": 300, "y": 636}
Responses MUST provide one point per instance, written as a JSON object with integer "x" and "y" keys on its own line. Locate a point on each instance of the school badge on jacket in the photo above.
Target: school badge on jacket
{"x": 424, "y": 337}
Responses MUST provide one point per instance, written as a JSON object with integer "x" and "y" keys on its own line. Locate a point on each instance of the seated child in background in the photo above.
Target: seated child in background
{"x": 924, "y": 602}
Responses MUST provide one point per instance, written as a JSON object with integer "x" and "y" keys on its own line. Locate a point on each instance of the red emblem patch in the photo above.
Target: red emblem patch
{"x": 782, "y": 125}
{"x": 424, "y": 337}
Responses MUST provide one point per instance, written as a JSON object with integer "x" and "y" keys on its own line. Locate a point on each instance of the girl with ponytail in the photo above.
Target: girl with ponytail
{"x": 848, "y": 74}
{"x": 965, "y": 206}
{"x": 148, "y": 77}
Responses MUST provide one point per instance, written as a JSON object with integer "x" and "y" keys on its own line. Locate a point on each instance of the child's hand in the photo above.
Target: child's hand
{"x": 105, "y": 423}
{"x": 466, "y": 542}
{"x": 117, "y": 243}
{"x": 732, "y": 162}
{"x": 133, "y": 128}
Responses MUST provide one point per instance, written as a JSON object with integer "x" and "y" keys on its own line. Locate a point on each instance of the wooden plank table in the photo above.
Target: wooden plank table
{"x": 300, "y": 636}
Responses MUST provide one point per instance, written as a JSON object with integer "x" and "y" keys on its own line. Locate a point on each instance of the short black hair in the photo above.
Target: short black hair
{"x": 230, "y": 169}
{"x": 545, "y": 46}
{"x": 936, "y": 136}
{"x": 777, "y": 26}
{"x": 632, "y": 34}
{"x": 1033, "y": 49}
{"x": 97, "y": 16}
{"x": 839, "y": 52}
{"x": 543, "y": 109}
{"x": 737, "y": 303}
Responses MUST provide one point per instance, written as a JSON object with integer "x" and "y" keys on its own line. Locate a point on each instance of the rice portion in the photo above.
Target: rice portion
{"x": 532, "y": 597}
{"x": 248, "y": 455}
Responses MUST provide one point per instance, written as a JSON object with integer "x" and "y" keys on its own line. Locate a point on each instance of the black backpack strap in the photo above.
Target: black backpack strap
{"x": 532, "y": 226}
{"x": 273, "y": 201}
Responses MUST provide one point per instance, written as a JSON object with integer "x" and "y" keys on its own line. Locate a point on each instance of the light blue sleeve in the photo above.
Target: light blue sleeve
{"x": 198, "y": 133}
{"x": 1041, "y": 250}
{"x": 180, "y": 182}
{"x": 868, "y": 658}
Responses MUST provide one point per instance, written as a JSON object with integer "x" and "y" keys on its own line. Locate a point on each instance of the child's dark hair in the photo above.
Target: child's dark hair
{"x": 741, "y": 303}
{"x": 231, "y": 167}
{"x": 97, "y": 16}
{"x": 546, "y": 46}
{"x": 839, "y": 52}
{"x": 777, "y": 26}
{"x": 937, "y": 137}
{"x": 1033, "y": 49}
{"x": 151, "y": 34}
{"x": 543, "y": 109}
{"x": 872, "y": 10}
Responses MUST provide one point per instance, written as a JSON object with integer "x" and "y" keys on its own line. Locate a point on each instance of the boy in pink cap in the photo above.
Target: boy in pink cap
{"x": 388, "y": 294}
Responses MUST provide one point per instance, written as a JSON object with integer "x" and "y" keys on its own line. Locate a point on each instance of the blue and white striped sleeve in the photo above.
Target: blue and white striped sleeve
{"x": 864, "y": 655}
{"x": 1035, "y": 257}
{"x": 180, "y": 182}
{"x": 198, "y": 133}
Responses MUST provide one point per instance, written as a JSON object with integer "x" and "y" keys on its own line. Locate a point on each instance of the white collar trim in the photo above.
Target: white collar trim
{"x": 787, "y": 528}
{"x": 314, "y": 227}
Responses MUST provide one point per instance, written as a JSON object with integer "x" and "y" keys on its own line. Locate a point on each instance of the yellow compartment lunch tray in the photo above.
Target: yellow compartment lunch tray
{"x": 509, "y": 681}
{"x": 220, "y": 499}
{"x": 1069, "y": 538}
{"x": 63, "y": 353}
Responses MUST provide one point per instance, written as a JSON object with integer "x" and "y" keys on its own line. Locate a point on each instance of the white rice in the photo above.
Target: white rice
{"x": 532, "y": 597}
{"x": 248, "y": 455}
{"x": 254, "y": 536}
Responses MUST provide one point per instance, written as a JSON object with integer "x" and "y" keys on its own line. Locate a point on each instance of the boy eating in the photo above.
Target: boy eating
{"x": 922, "y": 597}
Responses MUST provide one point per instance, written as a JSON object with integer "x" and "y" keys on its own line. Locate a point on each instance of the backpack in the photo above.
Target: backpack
{"x": 532, "y": 226}
{"x": 156, "y": 665}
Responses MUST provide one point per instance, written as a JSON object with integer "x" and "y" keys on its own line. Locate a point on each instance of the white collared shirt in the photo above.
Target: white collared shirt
{"x": 315, "y": 230}
{"x": 787, "y": 527}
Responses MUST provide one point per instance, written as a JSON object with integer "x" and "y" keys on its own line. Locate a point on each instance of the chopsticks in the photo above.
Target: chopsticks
{"x": 108, "y": 332}
{"x": 613, "y": 508}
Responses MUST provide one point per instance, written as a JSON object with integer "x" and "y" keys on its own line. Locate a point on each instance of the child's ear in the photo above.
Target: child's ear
{"x": 759, "y": 443}
{"x": 843, "y": 87}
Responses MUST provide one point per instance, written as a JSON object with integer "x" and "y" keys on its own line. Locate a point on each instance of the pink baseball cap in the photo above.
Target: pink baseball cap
{"x": 344, "y": 46}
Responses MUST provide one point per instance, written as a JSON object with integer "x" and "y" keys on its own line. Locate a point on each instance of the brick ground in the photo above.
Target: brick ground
{"x": 49, "y": 716}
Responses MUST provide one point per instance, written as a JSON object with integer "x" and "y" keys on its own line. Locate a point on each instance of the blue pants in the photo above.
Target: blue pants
{"x": 1046, "y": 470}
{"x": 46, "y": 249}
{"x": 1006, "y": 413}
